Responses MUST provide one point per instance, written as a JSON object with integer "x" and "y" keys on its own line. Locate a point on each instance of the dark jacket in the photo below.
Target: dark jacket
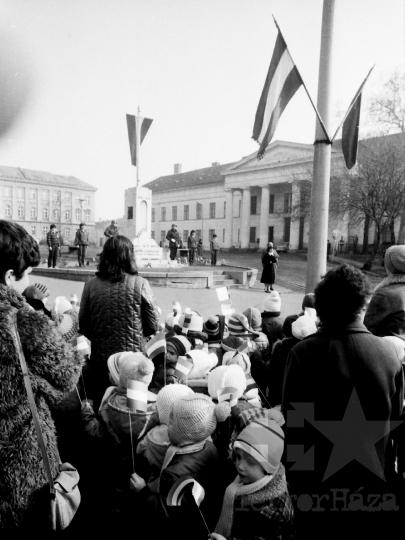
{"x": 276, "y": 368}
{"x": 173, "y": 235}
{"x": 272, "y": 326}
{"x": 385, "y": 314}
{"x": 191, "y": 242}
{"x": 81, "y": 238}
{"x": 53, "y": 238}
{"x": 54, "y": 369}
{"x": 110, "y": 231}
{"x": 116, "y": 316}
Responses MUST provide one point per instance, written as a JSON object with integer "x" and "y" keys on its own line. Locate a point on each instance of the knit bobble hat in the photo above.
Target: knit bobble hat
{"x": 180, "y": 343}
{"x": 238, "y": 325}
{"x": 114, "y": 362}
{"x": 272, "y": 303}
{"x": 304, "y": 326}
{"x": 238, "y": 358}
{"x": 231, "y": 343}
{"x": 135, "y": 367}
{"x": 203, "y": 362}
{"x": 214, "y": 380}
{"x": 167, "y": 396}
{"x": 226, "y": 376}
{"x": 211, "y": 328}
{"x": 68, "y": 326}
{"x": 194, "y": 418}
{"x": 399, "y": 345}
{"x": 254, "y": 318}
{"x": 263, "y": 439}
{"x": 394, "y": 259}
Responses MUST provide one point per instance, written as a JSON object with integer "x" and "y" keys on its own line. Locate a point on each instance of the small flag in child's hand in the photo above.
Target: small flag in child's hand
{"x": 222, "y": 293}
{"x": 156, "y": 345}
{"x": 229, "y": 393}
{"x": 186, "y": 323}
{"x": 250, "y": 383}
{"x": 227, "y": 309}
{"x": 181, "y": 486}
{"x": 81, "y": 344}
{"x": 137, "y": 395}
{"x": 244, "y": 348}
{"x": 183, "y": 367}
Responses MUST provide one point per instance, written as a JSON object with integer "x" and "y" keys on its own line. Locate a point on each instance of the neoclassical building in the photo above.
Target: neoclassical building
{"x": 35, "y": 199}
{"x": 247, "y": 203}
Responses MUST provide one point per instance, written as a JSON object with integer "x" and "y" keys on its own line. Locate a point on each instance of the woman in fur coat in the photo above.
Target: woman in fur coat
{"x": 54, "y": 368}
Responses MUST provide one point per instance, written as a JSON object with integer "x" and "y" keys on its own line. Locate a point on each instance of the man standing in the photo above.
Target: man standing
{"x": 111, "y": 230}
{"x": 53, "y": 241}
{"x": 192, "y": 246}
{"x": 82, "y": 241}
{"x": 214, "y": 248}
{"x": 174, "y": 241}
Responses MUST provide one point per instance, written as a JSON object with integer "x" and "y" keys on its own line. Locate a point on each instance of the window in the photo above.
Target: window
{"x": 198, "y": 211}
{"x": 87, "y": 200}
{"x": 252, "y": 235}
{"x": 33, "y": 230}
{"x": 287, "y": 203}
{"x": 198, "y": 234}
{"x": 44, "y": 231}
{"x": 67, "y": 215}
{"x": 174, "y": 213}
{"x": 271, "y": 234}
{"x": 7, "y": 191}
{"x": 271, "y": 204}
{"x": 55, "y": 196}
{"x": 185, "y": 236}
{"x": 68, "y": 197}
{"x": 20, "y": 193}
{"x": 152, "y": 235}
{"x": 87, "y": 215}
{"x": 163, "y": 213}
{"x": 44, "y": 195}
{"x": 286, "y": 235}
{"x": 223, "y": 235}
{"x": 253, "y": 204}
{"x": 67, "y": 232}
{"x": 55, "y": 213}
{"x": 33, "y": 194}
{"x": 162, "y": 237}
{"x": 212, "y": 210}
{"x": 7, "y": 210}
{"x": 211, "y": 233}
{"x": 186, "y": 211}
{"x": 130, "y": 212}
{"x": 33, "y": 212}
{"x": 45, "y": 213}
{"x": 153, "y": 215}
{"x": 78, "y": 214}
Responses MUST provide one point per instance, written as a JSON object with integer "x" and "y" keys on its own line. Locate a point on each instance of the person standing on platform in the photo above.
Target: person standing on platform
{"x": 270, "y": 263}
{"x": 53, "y": 241}
{"x": 82, "y": 241}
{"x": 214, "y": 247}
{"x": 200, "y": 250}
{"x": 192, "y": 246}
{"x": 111, "y": 230}
{"x": 174, "y": 241}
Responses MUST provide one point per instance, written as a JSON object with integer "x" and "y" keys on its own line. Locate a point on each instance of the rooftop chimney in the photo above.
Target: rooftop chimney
{"x": 215, "y": 164}
{"x": 177, "y": 168}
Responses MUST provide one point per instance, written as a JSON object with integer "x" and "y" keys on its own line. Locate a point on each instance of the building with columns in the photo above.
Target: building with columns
{"x": 35, "y": 199}
{"x": 247, "y": 203}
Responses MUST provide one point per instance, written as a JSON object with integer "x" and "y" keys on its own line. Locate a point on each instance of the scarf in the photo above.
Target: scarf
{"x": 173, "y": 450}
{"x": 236, "y": 489}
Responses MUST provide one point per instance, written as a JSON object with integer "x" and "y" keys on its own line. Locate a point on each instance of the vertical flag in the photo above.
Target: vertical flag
{"x": 136, "y": 124}
{"x": 183, "y": 367}
{"x": 156, "y": 345}
{"x": 282, "y": 81}
{"x": 137, "y": 396}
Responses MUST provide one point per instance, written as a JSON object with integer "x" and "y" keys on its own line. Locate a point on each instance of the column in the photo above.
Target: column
{"x": 228, "y": 218}
{"x": 245, "y": 219}
{"x": 264, "y": 217}
{"x": 295, "y": 216}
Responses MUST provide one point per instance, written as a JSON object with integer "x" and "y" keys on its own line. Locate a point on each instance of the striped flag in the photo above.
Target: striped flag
{"x": 186, "y": 323}
{"x": 136, "y": 124}
{"x": 181, "y": 486}
{"x": 250, "y": 383}
{"x": 137, "y": 396}
{"x": 282, "y": 81}
{"x": 156, "y": 345}
{"x": 229, "y": 393}
{"x": 244, "y": 348}
{"x": 183, "y": 367}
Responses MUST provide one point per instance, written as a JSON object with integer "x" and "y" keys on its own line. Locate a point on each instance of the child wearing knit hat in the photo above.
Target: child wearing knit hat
{"x": 260, "y": 488}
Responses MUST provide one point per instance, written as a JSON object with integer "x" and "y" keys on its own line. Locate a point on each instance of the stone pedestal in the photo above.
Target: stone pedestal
{"x": 138, "y": 211}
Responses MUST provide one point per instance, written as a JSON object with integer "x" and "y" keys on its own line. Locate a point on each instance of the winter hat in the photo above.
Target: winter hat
{"x": 180, "y": 343}
{"x": 399, "y": 345}
{"x": 231, "y": 343}
{"x": 272, "y": 303}
{"x": 135, "y": 367}
{"x": 62, "y": 304}
{"x": 226, "y": 376}
{"x": 214, "y": 380}
{"x": 253, "y": 413}
{"x": 394, "y": 259}
{"x": 114, "y": 362}
{"x": 303, "y": 326}
{"x": 167, "y": 396}
{"x": 254, "y": 318}
{"x": 194, "y": 418}
{"x": 238, "y": 325}
{"x": 176, "y": 308}
{"x": 238, "y": 358}
{"x": 33, "y": 293}
{"x": 195, "y": 326}
{"x": 74, "y": 299}
{"x": 263, "y": 439}
{"x": 308, "y": 301}
{"x": 203, "y": 362}
{"x": 68, "y": 325}
{"x": 211, "y": 328}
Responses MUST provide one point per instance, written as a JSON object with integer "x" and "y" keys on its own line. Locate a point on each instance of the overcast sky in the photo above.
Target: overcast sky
{"x": 196, "y": 67}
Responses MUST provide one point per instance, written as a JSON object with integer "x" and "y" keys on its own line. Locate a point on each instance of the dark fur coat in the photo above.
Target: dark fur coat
{"x": 54, "y": 368}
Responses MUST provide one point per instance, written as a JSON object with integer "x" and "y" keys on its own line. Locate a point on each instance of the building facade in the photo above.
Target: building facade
{"x": 35, "y": 199}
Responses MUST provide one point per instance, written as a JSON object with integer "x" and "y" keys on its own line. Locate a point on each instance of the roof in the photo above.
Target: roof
{"x": 191, "y": 179}
{"x": 17, "y": 174}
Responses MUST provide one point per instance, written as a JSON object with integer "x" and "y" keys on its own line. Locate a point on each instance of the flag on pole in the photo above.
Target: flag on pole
{"x": 180, "y": 487}
{"x": 183, "y": 367}
{"x": 137, "y": 396}
{"x": 186, "y": 323}
{"x": 282, "y": 81}
{"x": 136, "y": 124}
{"x": 156, "y": 345}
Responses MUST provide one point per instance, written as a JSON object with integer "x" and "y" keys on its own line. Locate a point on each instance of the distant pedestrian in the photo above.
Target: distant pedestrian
{"x": 214, "y": 248}
{"x": 174, "y": 241}
{"x": 192, "y": 247}
{"x": 200, "y": 250}
{"x": 328, "y": 248}
{"x": 111, "y": 230}
{"x": 82, "y": 241}
{"x": 53, "y": 241}
{"x": 270, "y": 264}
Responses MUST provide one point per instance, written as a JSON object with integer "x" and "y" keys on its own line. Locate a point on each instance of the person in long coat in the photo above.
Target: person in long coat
{"x": 270, "y": 263}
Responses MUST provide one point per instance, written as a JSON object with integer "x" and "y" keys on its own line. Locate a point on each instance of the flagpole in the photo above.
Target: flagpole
{"x": 138, "y": 144}
{"x": 318, "y": 229}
